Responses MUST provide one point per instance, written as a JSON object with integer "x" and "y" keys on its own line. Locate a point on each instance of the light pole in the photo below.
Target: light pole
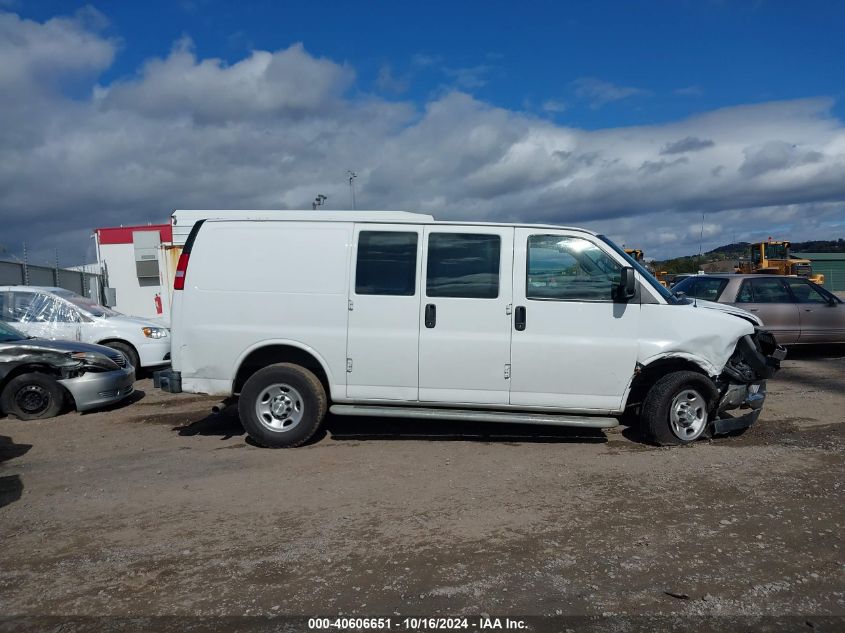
{"x": 318, "y": 201}
{"x": 352, "y": 176}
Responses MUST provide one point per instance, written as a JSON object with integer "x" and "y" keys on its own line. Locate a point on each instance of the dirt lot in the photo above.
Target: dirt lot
{"x": 160, "y": 507}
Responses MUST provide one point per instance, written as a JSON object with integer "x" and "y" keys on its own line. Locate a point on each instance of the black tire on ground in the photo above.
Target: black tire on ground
{"x": 127, "y": 350}
{"x": 32, "y": 397}
{"x": 296, "y": 392}
{"x": 657, "y": 406}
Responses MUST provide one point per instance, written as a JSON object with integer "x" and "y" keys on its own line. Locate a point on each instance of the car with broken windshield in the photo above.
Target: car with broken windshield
{"x": 59, "y": 314}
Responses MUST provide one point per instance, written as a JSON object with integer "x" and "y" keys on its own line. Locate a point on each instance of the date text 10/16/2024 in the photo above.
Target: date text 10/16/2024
{"x": 482, "y": 623}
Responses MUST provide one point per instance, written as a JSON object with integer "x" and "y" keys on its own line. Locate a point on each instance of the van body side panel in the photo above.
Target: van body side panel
{"x": 384, "y": 316}
{"x": 694, "y": 332}
{"x": 572, "y": 354}
{"x": 249, "y": 284}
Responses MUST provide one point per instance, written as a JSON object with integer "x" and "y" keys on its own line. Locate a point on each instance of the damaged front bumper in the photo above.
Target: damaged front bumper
{"x": 742, "y": 384}
{"x": 92, "y": 390}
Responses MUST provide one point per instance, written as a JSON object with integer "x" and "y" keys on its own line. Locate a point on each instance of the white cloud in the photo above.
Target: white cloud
{"x": 277, "y": 127}
{"x": 388, "y": 82}
{"x": 554, "y": 106}
{"x": 288, "y": 82}
{"x": 35, "y": 55}
{"x": 689, "y": 91}
{"x": 599, "y": 92}
{"x": 469, "y": 78}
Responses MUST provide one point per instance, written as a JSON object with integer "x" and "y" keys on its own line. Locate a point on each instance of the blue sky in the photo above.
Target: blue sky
{"x": 631, "y": 118}
{"x": 676, "y": 58}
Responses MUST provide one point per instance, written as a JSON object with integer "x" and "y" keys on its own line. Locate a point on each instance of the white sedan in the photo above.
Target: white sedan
{"x": 56, "y": 313}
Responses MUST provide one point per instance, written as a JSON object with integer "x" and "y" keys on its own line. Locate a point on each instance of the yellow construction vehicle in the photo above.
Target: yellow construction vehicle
{"x": 639, "y": 256}
{"x": 773, "y": 258}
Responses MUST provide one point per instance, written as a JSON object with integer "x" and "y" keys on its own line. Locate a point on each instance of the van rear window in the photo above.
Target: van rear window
{"x": 387, "y": 263}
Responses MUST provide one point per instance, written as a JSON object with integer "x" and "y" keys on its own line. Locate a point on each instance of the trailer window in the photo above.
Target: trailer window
{"x": 387, "y": 263}
{"x": 463, "y": 265}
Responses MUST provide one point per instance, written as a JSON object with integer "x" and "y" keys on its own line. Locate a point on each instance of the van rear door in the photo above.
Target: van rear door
{"x": 464, "y": 342}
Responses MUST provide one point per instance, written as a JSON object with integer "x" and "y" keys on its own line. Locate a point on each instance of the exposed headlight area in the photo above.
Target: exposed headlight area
{"x": 155, "y": 332}
{"x": 88, "y": 361}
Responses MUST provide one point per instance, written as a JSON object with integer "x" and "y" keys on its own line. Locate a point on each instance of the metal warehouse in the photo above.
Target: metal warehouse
{"x": 831, "y": 265}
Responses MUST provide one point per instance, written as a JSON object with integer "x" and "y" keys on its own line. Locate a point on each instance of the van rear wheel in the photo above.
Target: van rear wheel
{"x": 282, "y": 405}
{"x": 677, "y": 408}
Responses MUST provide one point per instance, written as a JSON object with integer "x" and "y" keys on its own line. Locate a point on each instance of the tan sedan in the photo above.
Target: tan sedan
{"x": 794, "y": 309}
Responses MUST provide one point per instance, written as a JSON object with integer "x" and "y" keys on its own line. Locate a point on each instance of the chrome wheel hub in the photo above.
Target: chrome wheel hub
{"x": 688, "y": 415}
{"x": 279, "y": 407}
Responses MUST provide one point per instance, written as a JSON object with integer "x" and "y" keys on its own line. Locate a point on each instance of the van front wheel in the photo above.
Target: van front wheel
{"x": 282, "y": 406}
{"x": 677, "y": 409}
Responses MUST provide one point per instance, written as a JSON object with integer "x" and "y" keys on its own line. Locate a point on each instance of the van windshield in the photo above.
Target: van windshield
{"x": 664, "y": 292}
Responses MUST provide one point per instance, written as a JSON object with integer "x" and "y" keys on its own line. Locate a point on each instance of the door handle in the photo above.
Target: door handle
{"x": 519, "y": 318}
{"x": 753, "y": 309}
{"x": 430, "y": 315}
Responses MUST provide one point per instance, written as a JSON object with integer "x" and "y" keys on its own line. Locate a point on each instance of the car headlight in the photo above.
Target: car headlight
{"x": 154, "y": 332}
{"x": 93, "y": 361}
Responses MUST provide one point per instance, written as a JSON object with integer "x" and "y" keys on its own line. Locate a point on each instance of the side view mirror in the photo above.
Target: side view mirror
{"x": 628, "y": 284}
{"x": 832, "y": 302}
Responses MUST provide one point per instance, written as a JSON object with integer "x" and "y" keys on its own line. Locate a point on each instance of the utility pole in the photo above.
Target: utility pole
{"x": 352, "y": 176}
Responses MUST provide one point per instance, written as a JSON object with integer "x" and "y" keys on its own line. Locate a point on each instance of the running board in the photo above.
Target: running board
{"x": 466, "y": 415}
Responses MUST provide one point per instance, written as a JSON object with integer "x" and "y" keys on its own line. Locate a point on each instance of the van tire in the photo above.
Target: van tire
{"x": 32, "y": 396}
{"x": 301, "y": 399}
{"x": 666, "y": 401}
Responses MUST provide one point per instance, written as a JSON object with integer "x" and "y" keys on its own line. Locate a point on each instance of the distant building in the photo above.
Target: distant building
{"x": 135, "y": 262}
{"x": 831, "y": 265}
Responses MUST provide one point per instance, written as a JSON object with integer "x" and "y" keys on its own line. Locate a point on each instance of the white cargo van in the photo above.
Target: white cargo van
{"x": 395, "y": 314}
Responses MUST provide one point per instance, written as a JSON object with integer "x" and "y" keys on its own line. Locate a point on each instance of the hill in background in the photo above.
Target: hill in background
{"x": 723, "y": 258}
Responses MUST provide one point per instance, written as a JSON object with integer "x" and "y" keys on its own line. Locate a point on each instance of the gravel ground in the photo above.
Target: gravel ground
{"x": 159, "y": 507}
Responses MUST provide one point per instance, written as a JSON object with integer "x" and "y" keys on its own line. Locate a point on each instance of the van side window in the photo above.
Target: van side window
{"x": 387, "y": 263}
{"x": 463, "y": 265}
{"x": 569, "y": 269}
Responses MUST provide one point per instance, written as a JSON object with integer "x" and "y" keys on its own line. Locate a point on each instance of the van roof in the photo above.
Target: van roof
{"x": 186, "y": 219}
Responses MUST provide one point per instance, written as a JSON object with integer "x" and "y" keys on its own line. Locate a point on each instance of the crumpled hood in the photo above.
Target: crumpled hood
{"x": 728, "y": 309}
{"x": 41, "y": 344}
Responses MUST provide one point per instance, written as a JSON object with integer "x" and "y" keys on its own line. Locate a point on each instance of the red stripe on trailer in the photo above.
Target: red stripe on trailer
{"x": 123, "y": 234}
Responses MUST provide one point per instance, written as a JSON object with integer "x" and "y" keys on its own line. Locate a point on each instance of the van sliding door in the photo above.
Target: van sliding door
{"x": 464, "y": 343}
